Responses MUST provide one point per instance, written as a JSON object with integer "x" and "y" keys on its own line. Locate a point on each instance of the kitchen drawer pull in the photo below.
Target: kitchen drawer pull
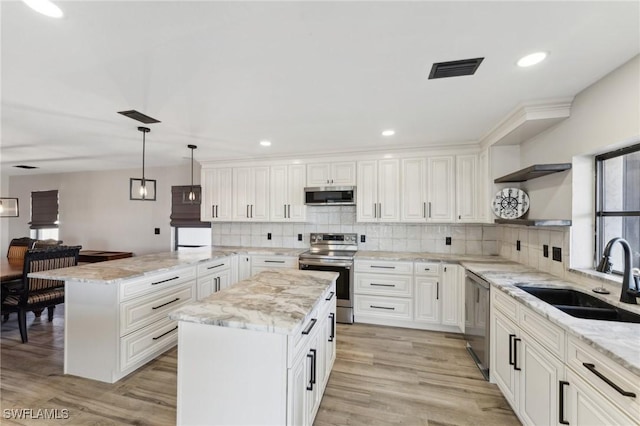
{"x": 382, "y": 267}
{"x": 561, "y": 386}
{"x": 274, "y": 261}
{"x": 383, "y": 285}
{"x": 165, "y": 304}
{"x": 217, "y": 266}
{"x": 330, "y": 295}
{"x": 382, "y": 307}
{"x": 311, "y": 324}
{"x": 164, "y": 281}
{"x": 310, "y": 384}
{"x": 515, "y": 354}
{"x": 164, "y": 334}
{"x": 592, "y": 368}
{"x": 511, "y": 336}
{"x": 332, "y": 318}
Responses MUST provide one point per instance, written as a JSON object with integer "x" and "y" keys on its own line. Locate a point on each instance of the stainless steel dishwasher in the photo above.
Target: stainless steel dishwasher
{"x": 476, "y": 326}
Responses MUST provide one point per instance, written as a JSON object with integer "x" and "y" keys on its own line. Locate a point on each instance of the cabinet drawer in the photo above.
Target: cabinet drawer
{"x": 213, "y": 266}
{"x": 580, "y": 353}
{"x": 384, "y": 267}
{"x": 142, "y": 311}
{"x": 384, "y": 285}
{"x": 274, "y": 262}
{"x": 544, "y": 331}
{"x": 505, "y": 304}
{"x": 155, "y": 282}
{"x": 301, "y": 337}
{"x": 147, "y": 343}
{"x": 427, "y": 268}
{"x": 384, "y": 307}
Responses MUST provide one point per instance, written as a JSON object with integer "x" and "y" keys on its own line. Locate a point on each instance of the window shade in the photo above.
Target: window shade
{"x": 44, "y": 209}
{"x": 183, "y": 213}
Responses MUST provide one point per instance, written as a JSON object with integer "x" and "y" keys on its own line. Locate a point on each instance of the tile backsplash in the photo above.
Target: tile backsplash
{"x": 472, "y": 239}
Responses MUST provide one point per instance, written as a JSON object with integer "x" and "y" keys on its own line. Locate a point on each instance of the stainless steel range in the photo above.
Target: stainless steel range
{"x": 334, "y": 252}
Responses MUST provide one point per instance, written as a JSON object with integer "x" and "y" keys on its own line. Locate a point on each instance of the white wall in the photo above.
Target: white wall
{"x": 95, "y": 210}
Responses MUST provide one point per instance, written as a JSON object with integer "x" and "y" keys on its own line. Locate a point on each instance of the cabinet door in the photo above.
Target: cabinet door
{"x": 244, "y": 267}
{"x": 329, "y": 341}
{"x": 427, "y": 300}
{"x": 539, "y": 381}
{"x": 413, "y": 182}
{"x": 206, "y": 286}
{"x": 503, "y": 372}
{"x": 452, "y": 296}
{"x": 278, "y": 194}
{"x": 297, "y": 381}
{"x": 367, "y": 194}
{"x": 216, "y": 194}
{"x": 467, "y": 183}
{"x": 259, "y": 207}
{"x": 242, "y": 193}
{"x": 483, "y": 196}
{"x": 343, "y": 173}
{"x": 296, "y": 209}
{"x": 224, "y": 279}
{"x": 388, "y": 190}
{"x": 441, "y": 189}
{"x": 318, "y": 174}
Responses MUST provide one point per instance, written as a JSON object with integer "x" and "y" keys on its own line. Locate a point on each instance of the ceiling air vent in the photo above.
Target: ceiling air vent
{"x": 22, "y": 166}
{"x": 455, "y": 68}
{"x": 136, "y": 115}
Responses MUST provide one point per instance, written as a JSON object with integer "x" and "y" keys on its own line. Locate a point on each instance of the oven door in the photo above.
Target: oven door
{"x": 344, "y": 287}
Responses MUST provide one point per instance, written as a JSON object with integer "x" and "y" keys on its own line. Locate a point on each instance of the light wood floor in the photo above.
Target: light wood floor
{"x": 382, "y": 376}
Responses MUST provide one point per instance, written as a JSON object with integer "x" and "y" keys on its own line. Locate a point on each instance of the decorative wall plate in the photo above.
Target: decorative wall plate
{"x": 510, "y": 203}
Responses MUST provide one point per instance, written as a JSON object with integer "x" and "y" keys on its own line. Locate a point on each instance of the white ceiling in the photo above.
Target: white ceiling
{"x": 311, "y": 77}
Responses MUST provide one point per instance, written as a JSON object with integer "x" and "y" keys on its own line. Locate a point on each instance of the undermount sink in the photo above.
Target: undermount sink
{"x": 579, "y": 304}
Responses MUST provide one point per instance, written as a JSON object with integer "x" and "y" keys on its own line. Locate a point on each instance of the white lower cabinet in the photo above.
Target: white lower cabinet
{"x": 214, "y": 276}
{"x": 244, "y": 267}
{"x": 264, "y": 263}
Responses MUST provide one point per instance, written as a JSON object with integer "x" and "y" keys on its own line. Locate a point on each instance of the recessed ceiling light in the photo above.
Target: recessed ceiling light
{"x": 45, "y": 7}
{"x": 265, "y": 143}
{"x": 532, "y": 59}
{"x": 389, "y": 132}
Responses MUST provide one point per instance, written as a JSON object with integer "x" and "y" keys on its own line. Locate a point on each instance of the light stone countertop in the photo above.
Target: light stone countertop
{"x": 620, "y": 341}
{"x": 118, "y": 270}
{"x": 276, "y": 301}
{"x": 424, "y": 257}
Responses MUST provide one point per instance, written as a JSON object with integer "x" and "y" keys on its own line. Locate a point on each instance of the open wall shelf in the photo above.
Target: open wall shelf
{"x": 532, "y": 172}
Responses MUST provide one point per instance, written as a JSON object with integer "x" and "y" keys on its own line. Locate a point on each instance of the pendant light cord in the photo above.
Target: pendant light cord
{"x": 143, "y": 149}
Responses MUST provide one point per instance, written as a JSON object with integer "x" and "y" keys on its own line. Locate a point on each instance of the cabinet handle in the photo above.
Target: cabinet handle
{"x": 213, "y": 210}
{"x": 375, "y": 210}
{"x": 382, "y": 267}
{"x": 310, "y": 326}
{"x": 383, "y": 285}
{"x": 217, "y": 215}
{"x": 437, "y": 290}
{"x": 379, "y": 210}
{"x": 217, "y": 283}
{"x": 515, "y": 354}
{"x": 217, "y": 266}
{"x": 310, "y": 384}
{"x": 247, "y": 211}
{"x": 511, "y": 336}
{"x": 382, "y": 307}
{"x": 445, "y": 269}
{"x": 459, "y": 217}
{"x": 429, "y": 209}
{"x": 561, "y": 386}
{"x": 424, "y": 210}
{"x": 164, "y": 281}
{"x": 285, "y": 210}
{"x": 477, "y": 295}
{"x": 330, "y": 296}
{"x": 274, "y": 261}
{"x": 164, "y": 334}
{"x": 289, "y": 210}
{"x": 165, "y": 304}
{"x": 313, "y": 366}
{"x": 251, "y": 210}
{"x": 332, "y": 334}
{"x": 621, "y": 391}
{"x": 331, "y": 180}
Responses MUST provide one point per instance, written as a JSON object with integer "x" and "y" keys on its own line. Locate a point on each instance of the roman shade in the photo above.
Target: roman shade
{"x": 184, "y": 213}
{"x": 44, "y": 209}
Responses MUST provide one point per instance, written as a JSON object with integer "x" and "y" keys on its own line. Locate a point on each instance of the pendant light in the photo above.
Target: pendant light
{"x": 142, "y": 189}
{"x": 192, "y": 197}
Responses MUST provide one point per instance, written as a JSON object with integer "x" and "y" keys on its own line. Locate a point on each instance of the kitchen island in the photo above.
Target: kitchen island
{"x": 259, "y": 352}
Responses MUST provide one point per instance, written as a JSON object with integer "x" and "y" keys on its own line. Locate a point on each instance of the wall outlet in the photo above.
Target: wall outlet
{"x": 447, "y": 241}
{"x": 557, "y": 254}
{"x": 545, "y": 250}
{"x": 269, "y": 236}
{"x": 299, "y": 237}
{"x": 518, "y": 245}
{"x": 156, "y": 231}
{"x": 363, "y": 238}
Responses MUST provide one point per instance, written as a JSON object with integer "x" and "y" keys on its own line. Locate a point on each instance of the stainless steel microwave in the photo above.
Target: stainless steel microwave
{"x": 330, "y": 196}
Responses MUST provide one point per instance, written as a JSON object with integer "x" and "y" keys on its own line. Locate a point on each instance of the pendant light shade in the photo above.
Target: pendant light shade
{"x": 142, "y": 189}
{"x": 193, "y": 196}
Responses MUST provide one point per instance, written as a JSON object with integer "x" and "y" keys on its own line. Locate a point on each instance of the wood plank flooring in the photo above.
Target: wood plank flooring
{"x": 382, "y": 376}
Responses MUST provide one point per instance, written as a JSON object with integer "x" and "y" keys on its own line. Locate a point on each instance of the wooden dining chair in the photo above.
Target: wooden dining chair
{"x": 39, "y": 293}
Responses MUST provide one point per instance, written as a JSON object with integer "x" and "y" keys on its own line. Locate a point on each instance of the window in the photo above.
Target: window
{"x": 618, "y": 203}
{"x": 44, "y": 215}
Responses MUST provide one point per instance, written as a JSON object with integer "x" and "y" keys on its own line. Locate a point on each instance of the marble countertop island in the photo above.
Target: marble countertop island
{"x": 275, "y": 301}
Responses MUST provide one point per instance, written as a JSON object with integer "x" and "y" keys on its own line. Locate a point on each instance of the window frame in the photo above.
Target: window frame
{"x": 600, "y": 213}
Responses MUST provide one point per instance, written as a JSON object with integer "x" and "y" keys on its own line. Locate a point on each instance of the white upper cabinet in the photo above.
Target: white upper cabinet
{"x": 414, "y": 190}
{"x": 251, "y": 194}
{"x": 331, "y": 174}
{"x": 217, "y": 196}
{"x": 467, "y": 188}
{"x": 287, "y": 193}
{"x": 378, "y": 193}
{"x": 440, "y": 189}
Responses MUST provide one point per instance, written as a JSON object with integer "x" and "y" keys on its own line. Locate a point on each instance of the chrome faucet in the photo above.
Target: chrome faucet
{"x": 630, "y": 287}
